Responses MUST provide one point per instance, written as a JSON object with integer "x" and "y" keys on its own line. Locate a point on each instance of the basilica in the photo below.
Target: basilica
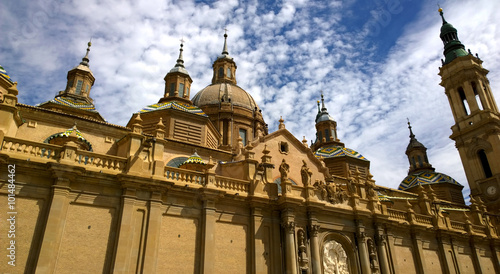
{"x": 196, "y": 183}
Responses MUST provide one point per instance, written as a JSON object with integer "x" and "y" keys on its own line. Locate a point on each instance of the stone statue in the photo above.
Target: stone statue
{"x": 306, "y": 174}
{"x": 284, "y": 170}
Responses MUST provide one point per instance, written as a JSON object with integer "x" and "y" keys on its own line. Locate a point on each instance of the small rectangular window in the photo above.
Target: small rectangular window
{"x": 78, "y": 90}
{"x": 172, "y": 89}
{"x": 243, "y": 135}
{"x": 181, "y": 90}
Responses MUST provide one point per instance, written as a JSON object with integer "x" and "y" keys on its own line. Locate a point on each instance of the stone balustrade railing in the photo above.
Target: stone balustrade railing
{"x": 31, "y": 150}
{"x": 423, "y": 219}
{"x": 478, "y": 229}
{"x": 397, "y": 214}
{"x": 182, "y": 176}
{"x": 100, "y": 161}
{"x": 231, "y": 184}
{"x": 458, "y": 225}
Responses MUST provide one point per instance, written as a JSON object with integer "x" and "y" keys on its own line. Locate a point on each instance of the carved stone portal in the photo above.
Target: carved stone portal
{"x": 334, "y": 258}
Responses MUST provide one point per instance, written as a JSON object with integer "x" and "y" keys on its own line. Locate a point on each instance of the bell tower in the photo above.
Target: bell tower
{"x": 477, "y": 121}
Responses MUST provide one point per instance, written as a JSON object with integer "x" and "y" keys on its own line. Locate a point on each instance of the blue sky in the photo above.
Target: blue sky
{"x": 376, "y": 62}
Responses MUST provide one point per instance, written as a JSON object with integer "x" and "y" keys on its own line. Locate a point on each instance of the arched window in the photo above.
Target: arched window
{"x": 478, "y": 99}
{"x": 221, "y": 72}
{"x": 327, "y": 135}
{"x": 465, "y": 105}
{"x": 320, "y": 136}
{"x": 484, "y": 163}
{"x": 419, "y": 161}
{"x": 228, "y": 72}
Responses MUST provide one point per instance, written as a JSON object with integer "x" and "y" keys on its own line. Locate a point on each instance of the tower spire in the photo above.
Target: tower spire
{"x": 412, "y": 136}
{"x": 453, "y": 48}
{"x": 224, "y": 49}
{"x": 323, "y": 108}
{"x": 85, "y": 60}
{"x": 180, "y": 60}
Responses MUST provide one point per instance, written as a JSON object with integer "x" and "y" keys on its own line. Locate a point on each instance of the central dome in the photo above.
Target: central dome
{"x": 224, "y": 93}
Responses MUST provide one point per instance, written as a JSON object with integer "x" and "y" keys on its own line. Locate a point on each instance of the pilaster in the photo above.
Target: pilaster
{"x": 125, "y": 233}
{"x": 208, "y": 235}
{"x": 153, "y": 233}
{"x": 54, "y": 226}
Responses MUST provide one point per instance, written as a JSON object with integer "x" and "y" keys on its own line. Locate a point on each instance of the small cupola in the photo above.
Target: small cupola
{"x": 417, "y": 154}
{"x": 224, "y": 67}
{"x": 326, "y": 128}
{"x": 80, "y": 80}
{"x": 177, "y": 82}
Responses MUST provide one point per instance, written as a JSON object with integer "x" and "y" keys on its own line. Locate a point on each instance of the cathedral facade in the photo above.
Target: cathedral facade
{"x": 198, "y": 184}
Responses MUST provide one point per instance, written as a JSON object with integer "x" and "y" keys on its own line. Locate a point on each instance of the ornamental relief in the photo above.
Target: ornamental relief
{"x": 335, "y": 259}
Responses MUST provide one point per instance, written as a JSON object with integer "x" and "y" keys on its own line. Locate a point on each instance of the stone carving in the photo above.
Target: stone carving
{"x": 335, "y": 259}
{"x": 314, "y": 230}
{"x": 306, "y": 173}
{"x": 373, "y": 256}
{"x": 289, "y": 227}
{"x": 351, "y": 185}
{"x": 284, "y": 170}
{"x": 370, "y": 189}
{"x": 330, "y": 192}
{"x": 1, "y": 96}
{"x": 303, "y": 259}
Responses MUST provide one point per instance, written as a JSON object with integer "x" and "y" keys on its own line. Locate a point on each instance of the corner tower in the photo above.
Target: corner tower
{"x": 477, "y": 121}
{"x": 421, "y": 172}
{"x": 75, "y": 98}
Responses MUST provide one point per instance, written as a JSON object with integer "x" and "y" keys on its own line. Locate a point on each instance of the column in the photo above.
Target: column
{"x": 153, "y": 233}
{"x": 315, "y": 252}
{"x": 382, "y": 253}
{"x": 208, "y": 239}
{"x": 290, "y": 252}
{"x": 125, "y": 232}
{"x": 363, "y": 253}
{"x": 54, "y": 226}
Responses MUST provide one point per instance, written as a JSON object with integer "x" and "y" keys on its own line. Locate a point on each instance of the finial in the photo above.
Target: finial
{"x": 224, "y": 50}
{"x": 409, "y": 126}
{"x": 180, "y": 60}
{"x": 442, "y": 15}
{"x": 85, "y": 60}
{"x": 282, "y": 124}
{"x": 318, "y": 106}
{"x": 323, "y": 108}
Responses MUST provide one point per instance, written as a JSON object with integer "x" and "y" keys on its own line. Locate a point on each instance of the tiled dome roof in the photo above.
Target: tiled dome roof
{"x": 337, "y": 151}
{"x": 4, "y": 74}
{"x": 426, "y": 177}
{"x": 67, "y": 133}
{"x": 174, "y": 105}
{"x": 72, "y": 102}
